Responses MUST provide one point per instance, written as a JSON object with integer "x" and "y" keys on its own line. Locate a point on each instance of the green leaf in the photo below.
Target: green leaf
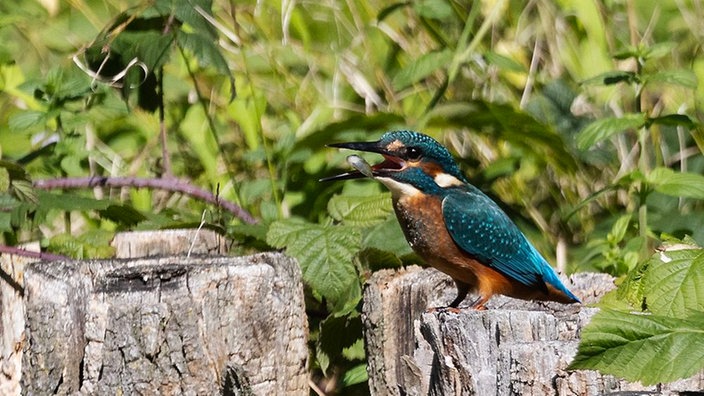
{"x": 337, "y": 333}
{"x": 603, "y": 129}
{"x": 504, "y": 62}
{"x": 26, "y": 119}
{"x": 659, "y": 50}
{"x": 645, "y": 348}
{"x": 324, "y": 253}
{"x": 421, "y": 68}
{"x": 685, "y": 78}
{"x": 4, "y": 180}
{"x": 360, "y": 211}
{"x": 434, "y": 9}
{"x": 618, "y": 231}
{"x": 674, "y": 282}
{"x": 355, "y": 375}
{"x": 677, "y": 184}
{"x": 674, "y": 120}
{"x": 70, "y": 202}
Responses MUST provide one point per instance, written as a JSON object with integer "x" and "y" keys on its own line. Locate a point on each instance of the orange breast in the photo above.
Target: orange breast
{"x": 423, "y": 224}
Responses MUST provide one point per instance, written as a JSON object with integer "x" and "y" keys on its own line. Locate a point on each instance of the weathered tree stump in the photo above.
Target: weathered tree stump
{"x": 514, "y": 348}
{"x": 169, "y": 242}
{"x": 170, "y": 326}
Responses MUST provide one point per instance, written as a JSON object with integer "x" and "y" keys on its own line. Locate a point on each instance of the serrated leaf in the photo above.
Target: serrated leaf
{"x": 645, "y": 348}
{"x": 685, "y": 78}
{"x": 360, "y": 211}
{"x": 603, "y": 129}
{"x": 421, "y": 68}
{"x": 674, "y": 282}
{"x": 387, "y": 236}
{"x": 324, "y": 253}
{"x": 677, "y": 184}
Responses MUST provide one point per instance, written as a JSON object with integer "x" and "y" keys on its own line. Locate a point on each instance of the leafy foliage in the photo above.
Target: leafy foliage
{"x": 249, "y": 93}
{"x": 662, "y": 344}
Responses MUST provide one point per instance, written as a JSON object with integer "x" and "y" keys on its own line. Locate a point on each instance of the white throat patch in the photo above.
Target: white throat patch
{"x": 399, "y": 189}
{"x": 447, "y": 180}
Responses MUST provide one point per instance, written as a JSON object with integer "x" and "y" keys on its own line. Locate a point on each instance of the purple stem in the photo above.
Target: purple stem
{"x": 168, "y": 184}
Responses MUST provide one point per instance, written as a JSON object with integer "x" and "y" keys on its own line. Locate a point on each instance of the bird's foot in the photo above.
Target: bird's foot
{"x": 454, "y": 310}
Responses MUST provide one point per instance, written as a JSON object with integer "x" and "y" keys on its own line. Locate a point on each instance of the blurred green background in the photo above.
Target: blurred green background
{"x": 580, "y": 117}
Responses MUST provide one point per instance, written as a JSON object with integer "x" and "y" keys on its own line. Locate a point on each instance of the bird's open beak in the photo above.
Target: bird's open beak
{"x": 391, "y": 163}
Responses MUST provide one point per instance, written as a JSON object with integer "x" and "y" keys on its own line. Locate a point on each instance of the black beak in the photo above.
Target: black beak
{"x": 390, "y": 163}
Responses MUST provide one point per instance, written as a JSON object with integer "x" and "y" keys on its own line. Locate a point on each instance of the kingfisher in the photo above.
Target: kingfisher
{"x": 453, "y": 225}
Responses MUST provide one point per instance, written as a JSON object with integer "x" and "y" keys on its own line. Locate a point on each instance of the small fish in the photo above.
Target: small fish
{"x": 360, "y": 164}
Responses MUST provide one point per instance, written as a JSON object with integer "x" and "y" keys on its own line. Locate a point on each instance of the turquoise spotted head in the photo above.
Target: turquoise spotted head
{"x": 412, "y": 162}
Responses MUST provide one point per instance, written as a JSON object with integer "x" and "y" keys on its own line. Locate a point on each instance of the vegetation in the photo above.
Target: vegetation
{"x": 582, "y": 118}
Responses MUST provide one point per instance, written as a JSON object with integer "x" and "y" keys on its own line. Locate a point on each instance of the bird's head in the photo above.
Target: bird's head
{"x": 412, "y": 162}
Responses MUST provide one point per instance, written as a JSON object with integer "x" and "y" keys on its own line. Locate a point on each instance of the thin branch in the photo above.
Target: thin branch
{"x": 28, "y": 253}
{"x": 167, "y": 184}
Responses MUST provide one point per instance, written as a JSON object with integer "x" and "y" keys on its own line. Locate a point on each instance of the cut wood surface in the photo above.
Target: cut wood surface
{"x": 171, "y": 325}
{"x": 514, "y": 348}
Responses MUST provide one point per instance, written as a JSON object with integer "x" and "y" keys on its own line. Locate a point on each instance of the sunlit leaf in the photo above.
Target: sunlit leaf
{"x": 360, "y": 211}
{"x": 324, "y": 253}
{"x": 645, "y": 348}
{"x": 674, "y": 283}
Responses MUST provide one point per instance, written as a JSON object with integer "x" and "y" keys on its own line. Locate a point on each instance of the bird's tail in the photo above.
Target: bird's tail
{"x": 556, "y": 289}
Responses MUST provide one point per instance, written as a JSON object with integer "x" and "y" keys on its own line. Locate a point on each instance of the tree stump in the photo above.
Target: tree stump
{"x": 169, "y": 325}
{"x": 515, "y": 348}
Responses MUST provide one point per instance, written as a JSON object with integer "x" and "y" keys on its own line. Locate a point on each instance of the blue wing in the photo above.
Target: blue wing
{"x": 484, "y": 231}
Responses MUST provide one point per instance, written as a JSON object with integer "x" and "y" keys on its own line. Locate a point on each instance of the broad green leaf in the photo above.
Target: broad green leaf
{"x": 674, "y": 282}
{"x": 123, "y": 214}
{"x": 603, "y": 129}
{"x": 645, "y": 348}
{"x": 421, "y": 68}
{"x": 387, "y": 236}
{"x": 360, "y": 211}
{"x": 685, "y": 78}
{"x": 677, "y": 184}
{"x": 325, "y": 254}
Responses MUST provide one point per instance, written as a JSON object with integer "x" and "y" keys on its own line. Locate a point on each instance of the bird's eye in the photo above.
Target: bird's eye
{"x": 413, "y": 153}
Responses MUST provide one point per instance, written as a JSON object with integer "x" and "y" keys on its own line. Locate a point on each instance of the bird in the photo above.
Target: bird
{"x": 452, "y": 225}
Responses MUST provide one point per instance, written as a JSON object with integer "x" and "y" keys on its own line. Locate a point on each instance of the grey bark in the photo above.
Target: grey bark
{"x": 514, "y": 348}
{"x": 169, "y": 325}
